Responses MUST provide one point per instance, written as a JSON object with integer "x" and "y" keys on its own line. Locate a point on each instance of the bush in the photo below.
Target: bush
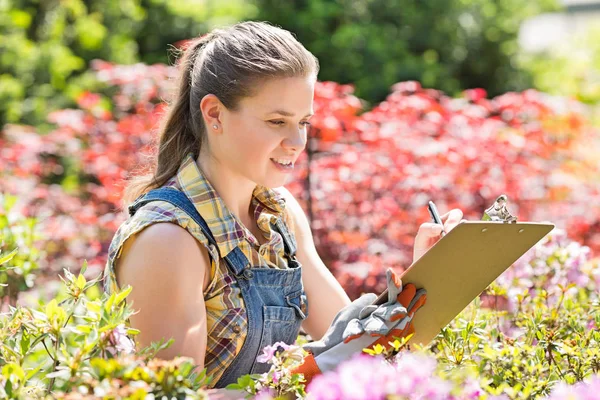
{"x": 569, "y": 68}
{"x": 78, "y": 346}
{"x": 369, "y": 179}
{"x": 47, "y": 46}
{"x": 450, "y": 45}
{"x": 535, "y": 337}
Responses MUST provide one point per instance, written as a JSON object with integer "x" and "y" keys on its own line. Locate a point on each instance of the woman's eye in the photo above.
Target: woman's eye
{"x": 305, "y": 123}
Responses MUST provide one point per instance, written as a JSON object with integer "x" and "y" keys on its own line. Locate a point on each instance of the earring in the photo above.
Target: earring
{"x": 216, "y": 126}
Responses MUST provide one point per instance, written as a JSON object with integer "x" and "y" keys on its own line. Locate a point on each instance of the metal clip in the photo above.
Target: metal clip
{"x": 499, "y": 212}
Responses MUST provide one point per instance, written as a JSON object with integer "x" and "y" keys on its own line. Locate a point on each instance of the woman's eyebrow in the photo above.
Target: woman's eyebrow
{"x": 289, "y": 114}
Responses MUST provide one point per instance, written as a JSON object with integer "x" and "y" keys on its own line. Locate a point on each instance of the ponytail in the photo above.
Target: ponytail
{"x": 179, "y": 134}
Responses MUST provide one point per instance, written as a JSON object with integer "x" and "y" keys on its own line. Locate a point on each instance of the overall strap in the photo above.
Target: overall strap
{"x": 288, "y": 243}
{"x": 236, "y": 259}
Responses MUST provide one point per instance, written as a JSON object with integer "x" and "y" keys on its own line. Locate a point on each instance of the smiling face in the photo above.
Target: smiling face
{"x": 264, "y": 137}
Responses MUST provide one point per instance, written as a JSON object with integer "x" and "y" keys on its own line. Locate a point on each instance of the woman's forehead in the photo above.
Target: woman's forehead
{"x": 291, "y": 97}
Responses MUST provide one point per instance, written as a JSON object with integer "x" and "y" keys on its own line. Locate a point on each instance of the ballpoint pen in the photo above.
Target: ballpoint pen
{"x": 435, "y": 216}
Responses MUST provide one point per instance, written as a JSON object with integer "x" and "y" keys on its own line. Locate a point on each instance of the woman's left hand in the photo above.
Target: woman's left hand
{"x": 430, "y": 232}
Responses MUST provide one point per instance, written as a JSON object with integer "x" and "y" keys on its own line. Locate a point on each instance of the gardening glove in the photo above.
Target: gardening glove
{"x": 371, "y": 325}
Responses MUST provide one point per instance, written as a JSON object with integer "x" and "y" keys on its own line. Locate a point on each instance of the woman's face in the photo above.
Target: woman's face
{"x": 263, "y": 138}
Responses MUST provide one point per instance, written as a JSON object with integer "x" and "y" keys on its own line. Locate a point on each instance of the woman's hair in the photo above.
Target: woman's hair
{"x": 229, "y": 63}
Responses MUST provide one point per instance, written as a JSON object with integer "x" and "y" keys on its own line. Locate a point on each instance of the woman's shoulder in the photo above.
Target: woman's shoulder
{"x": 158, "y": 212}
{"x": 162, "y": 217}
{"x": 157, "y": 226}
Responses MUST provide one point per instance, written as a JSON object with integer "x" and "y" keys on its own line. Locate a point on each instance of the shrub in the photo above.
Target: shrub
{"x": 450, "y": 45}
{"x": 78, "y": 346}
{"x": 541, "y": 341}
{"x": 367, "y": 183}
{"x": 47, "y": 46}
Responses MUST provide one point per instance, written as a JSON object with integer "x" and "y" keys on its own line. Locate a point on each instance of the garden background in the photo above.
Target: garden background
{"x": 437, "y": 99}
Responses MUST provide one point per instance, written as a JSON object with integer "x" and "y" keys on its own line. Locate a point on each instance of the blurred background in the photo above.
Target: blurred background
{"x": 452, "y": 100}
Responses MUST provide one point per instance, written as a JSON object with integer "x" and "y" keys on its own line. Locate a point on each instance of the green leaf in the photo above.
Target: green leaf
{"x": 32, "y": 373}
{"x": 12, "y": 369}
{"x": 133, "y": 331}
{"x": 109, "y": 303}
{"x": 8, "y": 257}
{"x": 122, "y": 295}
{"x": 25, "y": 342}
{"x": 539, "y": 335}
{"x": 84, "y": 328}
{"x": 80, "y": 282}
{"x": 94, "y": 307}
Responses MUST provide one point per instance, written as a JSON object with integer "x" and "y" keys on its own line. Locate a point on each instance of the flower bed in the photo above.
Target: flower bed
{"x": 369, "y": 178}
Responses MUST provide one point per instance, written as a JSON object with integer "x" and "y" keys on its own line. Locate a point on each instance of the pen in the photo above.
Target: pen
{"x": 435, "y": 216}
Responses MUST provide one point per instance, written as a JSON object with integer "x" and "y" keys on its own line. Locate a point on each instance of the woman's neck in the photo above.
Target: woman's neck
{"x": 234, "y": 190}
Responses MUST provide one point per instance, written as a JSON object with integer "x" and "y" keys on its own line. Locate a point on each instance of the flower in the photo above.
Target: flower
{"x": 586, "y": 390}
{"x": 119, "y": 341}
{"x": 265, "y": 394}
{"x": 270, "y": 351}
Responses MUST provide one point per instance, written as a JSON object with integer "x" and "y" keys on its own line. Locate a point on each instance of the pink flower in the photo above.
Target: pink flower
{"x": 586, "y": 390}
{"x": 119, "y": 341}
{"x": 270, "y": 351}
{"x": 265, "y": 394}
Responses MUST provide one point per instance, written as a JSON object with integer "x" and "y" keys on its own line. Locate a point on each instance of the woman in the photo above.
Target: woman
{"x": 239, "y": 275}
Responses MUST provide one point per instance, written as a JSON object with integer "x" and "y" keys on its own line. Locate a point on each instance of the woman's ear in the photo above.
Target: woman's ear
{"x": 211, "y": 109}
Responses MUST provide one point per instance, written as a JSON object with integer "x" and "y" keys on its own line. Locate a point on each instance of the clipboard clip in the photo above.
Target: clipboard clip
{"x": 499, "y": 212}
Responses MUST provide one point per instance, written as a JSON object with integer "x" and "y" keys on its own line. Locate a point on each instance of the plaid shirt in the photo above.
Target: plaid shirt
{"x": 225, "y": 309}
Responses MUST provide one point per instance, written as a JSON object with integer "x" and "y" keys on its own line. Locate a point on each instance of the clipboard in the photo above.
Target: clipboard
{"x": 461, "y": 265}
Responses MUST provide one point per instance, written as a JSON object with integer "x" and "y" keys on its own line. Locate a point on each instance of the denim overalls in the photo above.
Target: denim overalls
{"x": 274, "y": 298}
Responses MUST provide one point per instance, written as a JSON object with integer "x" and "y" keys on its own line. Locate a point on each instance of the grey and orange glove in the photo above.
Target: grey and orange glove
{"x": 362, "y": 325}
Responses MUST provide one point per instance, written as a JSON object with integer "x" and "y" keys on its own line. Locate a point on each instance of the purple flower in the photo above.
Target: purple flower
{"x": 365, "y": 377}
{"x": 119, "y": 341}
{"x": 472, "y": 389}
{"x": 325, "y": 387}
{"x": 586, "y": 390}
{"x": 265, "y": 394}
{"x": 270, "y": 351}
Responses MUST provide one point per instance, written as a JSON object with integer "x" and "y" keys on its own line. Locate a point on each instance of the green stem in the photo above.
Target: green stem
{"x": 47, "y": 351}
{"x": 51, "y": 383}
{"x": 552, "y": 360}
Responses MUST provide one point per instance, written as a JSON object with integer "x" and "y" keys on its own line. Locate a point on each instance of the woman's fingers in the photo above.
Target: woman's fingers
{"x": 429, "y": 230}
{"x": 452, "y": 218}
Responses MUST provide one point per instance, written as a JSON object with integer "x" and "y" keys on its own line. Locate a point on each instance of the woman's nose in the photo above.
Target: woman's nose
{"x": 295, "y": 141}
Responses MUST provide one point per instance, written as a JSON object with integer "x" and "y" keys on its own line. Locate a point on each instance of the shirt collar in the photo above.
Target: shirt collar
{"x": 224, "y": 226}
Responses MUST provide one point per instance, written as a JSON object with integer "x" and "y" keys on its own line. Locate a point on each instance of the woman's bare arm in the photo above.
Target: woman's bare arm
{"x": 168, "y": 271}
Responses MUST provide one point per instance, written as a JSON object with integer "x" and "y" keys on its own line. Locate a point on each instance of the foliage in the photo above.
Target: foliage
{"x": 79, "y": 347}
{"x": 18, "y": 263}
{"x": 278, "y": 381}
{"x": 446, "y": 44}
{"x": 369, "y": 179}
{"x": 47, "y": 46}
{"x": 541, "y": 343}
{"x": 371, "y": 175}
{"x": 570, "y": 67}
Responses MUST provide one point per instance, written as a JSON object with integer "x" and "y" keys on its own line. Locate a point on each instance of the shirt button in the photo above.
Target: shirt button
{"x": 236, "y": 328}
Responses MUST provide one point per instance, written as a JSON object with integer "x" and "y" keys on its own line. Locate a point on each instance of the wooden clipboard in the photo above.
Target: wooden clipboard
{"x": 461, "y": 265}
